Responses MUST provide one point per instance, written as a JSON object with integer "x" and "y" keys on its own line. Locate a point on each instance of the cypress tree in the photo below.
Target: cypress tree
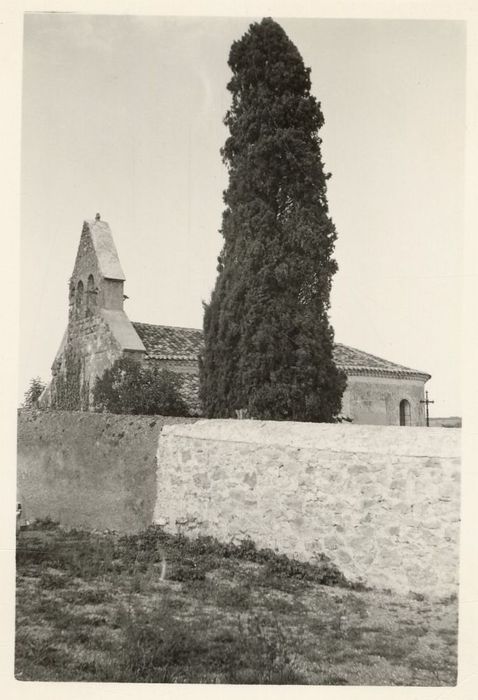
{"x": 268, "y": 341}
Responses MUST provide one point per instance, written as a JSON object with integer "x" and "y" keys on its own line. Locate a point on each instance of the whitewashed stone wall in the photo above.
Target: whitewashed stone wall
{"x": 382, "y": 502}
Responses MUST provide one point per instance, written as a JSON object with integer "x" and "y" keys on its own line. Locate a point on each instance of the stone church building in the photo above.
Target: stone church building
{"x": 99, "y": 331}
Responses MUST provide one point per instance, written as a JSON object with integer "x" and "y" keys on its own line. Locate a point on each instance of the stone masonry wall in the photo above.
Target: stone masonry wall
{"x": 90, "y": 340}
{"x": 86, "y": 264}
{"x": 376, "y": 400}
{"x": 381, "y": 502}
{"x": 91, "y": 470}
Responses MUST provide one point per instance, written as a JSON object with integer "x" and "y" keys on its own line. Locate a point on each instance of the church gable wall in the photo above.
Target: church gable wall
{"x": 90, "y": 349}
{"x": 86, "y": 264}
{"x": 105, "y": 293}
{"x": 94, "y": 341}
{"x": 376, "y": 400}
{"x": 99, "y": 331}
{"x": 86, "y": 260}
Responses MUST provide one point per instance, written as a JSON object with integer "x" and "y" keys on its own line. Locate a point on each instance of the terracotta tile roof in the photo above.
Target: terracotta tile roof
{"x": 169, "y": 342}
{"x": 357, "y": 362}
{"x": 174, "y": 343}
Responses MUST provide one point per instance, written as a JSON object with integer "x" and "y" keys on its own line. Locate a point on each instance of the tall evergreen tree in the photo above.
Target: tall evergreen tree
{"x": 268, "y": 340}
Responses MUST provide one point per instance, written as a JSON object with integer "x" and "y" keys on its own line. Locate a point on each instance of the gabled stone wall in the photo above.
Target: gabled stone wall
{"x": 90, "y": 349}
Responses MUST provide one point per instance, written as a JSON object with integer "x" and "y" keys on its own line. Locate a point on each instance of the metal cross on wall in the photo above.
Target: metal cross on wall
{"x": 427, "y": 402}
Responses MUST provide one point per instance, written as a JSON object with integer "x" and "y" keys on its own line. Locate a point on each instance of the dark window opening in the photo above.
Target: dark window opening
{"x": 79, "y": 298}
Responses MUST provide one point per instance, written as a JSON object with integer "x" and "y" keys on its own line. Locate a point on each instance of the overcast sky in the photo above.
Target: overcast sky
{"x": 123, "y": 116}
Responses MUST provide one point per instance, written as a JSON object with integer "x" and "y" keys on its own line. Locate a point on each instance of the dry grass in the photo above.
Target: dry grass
{"x": 93, "y": 607}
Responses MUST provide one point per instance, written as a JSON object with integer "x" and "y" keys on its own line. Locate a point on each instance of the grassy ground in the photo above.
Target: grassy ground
{"x": 99, "y": 607}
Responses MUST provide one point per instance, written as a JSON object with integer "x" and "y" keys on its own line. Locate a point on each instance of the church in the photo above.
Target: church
{"x": 99, "y": 332}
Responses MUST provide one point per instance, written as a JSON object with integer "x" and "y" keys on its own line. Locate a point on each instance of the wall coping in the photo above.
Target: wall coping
{"x": 331, "y": 437}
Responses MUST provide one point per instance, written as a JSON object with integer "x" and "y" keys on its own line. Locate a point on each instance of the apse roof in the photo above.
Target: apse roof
{"x": 356, "y": 362}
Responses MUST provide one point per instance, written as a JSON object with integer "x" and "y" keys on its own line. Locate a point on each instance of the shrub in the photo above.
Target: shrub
{"x": 129, "y": 387}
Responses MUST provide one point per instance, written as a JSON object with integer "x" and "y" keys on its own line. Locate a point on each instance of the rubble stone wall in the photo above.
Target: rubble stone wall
{"x": 381, "y": 501}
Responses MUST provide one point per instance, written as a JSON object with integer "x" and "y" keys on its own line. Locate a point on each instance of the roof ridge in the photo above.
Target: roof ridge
{"x": 160, "y": 325}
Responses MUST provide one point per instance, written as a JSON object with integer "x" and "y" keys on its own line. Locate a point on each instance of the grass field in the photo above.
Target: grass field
{"x": 160, "y": 608}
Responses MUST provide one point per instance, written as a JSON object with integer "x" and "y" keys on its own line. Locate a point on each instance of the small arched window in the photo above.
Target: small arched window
{"x": 405, "y": 418}
{"x": 90, "y": 295}
{"x": 79, "y": 298}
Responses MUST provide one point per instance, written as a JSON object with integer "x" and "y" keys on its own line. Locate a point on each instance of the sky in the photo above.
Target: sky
{"x": 122, "y": 115}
